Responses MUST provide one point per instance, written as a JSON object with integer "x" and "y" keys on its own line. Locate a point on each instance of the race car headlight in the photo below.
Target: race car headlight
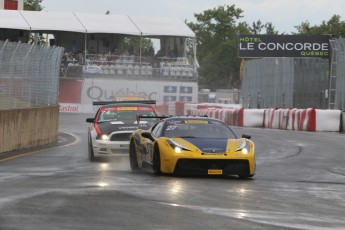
{"x": 177, "y": 146}
{"x": 243, "y": 147}
{"x": 104, "y": 137}
{"x": 178, "y": 149}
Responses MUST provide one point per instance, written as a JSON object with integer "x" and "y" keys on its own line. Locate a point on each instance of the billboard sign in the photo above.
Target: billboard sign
{"x": 256, "y": 46}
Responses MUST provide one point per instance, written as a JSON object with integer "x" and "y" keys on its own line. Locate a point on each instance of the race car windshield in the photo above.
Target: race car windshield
{"x": 126, "y": 116}
{"x": 199, "y": 131}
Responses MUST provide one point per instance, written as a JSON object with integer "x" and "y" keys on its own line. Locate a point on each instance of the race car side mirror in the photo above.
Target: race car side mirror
{"x": 147, "y": 135}
{"x": 246, "y": 136}
{"x": 90, "y": 120}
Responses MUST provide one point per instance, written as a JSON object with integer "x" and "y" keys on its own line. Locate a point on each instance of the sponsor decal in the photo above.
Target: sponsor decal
{"x": 185, "y": 98}
{"x": 170, "y": 89}
{"x": 117, "y": 89}
{"x": 186, "y": 89}
{"x": 97, "y": 93}
{"x": 128, "y": 127}
{"x": 169, "y": 98}
{"x": 70, "y": 108}
{"x": 215, "y": 172}
{"x": 196, "y": 122}
{"x": 175, "y": 122}
{"x": 127, "y": 109}
{"x": 283, "y": 46}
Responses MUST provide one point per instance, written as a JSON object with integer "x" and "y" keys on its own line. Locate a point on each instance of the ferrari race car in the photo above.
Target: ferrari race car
{"x": 194, "y": 146}
{"x": 113, "y": 124}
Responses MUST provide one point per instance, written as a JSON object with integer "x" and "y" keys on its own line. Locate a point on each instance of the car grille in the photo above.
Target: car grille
{"x": 201, "y": 167}
{"x": 120, "y": 137}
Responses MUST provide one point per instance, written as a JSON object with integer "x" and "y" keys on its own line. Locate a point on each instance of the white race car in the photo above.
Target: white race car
{"x": 113, "y": 124}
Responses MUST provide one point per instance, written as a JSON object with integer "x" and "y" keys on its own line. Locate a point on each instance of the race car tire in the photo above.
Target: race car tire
{"x": 156, "y": 161}
{"x": 133, "y": 161}
{"x": 90, "y": 150}
{"x": 243, "y": 176}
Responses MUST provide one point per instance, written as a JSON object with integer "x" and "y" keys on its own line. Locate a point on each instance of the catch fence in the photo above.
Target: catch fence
{"x": 337, "y": 76}
{"x": 296, "y": 82}
{"x": 29, "y": 75}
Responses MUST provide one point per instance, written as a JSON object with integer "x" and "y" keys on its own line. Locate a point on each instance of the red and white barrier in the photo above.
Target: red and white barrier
{"x": 287, "y": 119}
{"x": 303, "y": 119}
{"x": 328, "y": 120}
{"x": 234, "y": 117}
{"x": 253, "y": 117}
{"x": 291, "y": 119}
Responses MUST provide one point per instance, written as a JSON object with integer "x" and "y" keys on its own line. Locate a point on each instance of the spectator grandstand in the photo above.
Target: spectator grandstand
{"x": 94, "y": 43}
{"x": 128, "y": 66}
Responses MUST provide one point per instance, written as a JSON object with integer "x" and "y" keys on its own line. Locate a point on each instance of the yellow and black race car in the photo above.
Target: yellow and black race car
{"x": 193, "y": 146}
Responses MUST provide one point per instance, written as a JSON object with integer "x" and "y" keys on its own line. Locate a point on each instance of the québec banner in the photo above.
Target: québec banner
{"x": 256, "y": 46}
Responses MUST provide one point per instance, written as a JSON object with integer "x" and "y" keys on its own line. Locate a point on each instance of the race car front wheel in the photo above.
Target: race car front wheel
{"x": 156, "y": 161}
{"x": 90, "y": 149}
{"x": 133, "y": 161}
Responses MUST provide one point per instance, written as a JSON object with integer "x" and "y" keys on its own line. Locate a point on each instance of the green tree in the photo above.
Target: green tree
{"x": 334, "y": 26}
{"x": 133, "y": 44}
{"x": 31, "y": 5}
{"x": 257, "y": 27}
{"x": 217, "y": 33}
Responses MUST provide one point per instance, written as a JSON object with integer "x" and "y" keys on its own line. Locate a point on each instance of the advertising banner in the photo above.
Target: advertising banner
{"x": 256, "y": 46}
{"x": 160, "y": 91}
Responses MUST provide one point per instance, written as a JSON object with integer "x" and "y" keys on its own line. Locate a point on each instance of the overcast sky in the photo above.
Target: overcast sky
{"x": 284, "y": 14}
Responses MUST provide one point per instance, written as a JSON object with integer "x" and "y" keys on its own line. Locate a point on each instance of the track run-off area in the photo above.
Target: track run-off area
{"x": 299, "y": 184}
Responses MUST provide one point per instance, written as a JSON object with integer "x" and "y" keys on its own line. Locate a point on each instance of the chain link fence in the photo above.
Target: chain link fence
{"x": 338, "y": 72}
{"x": 285, "y": 83}
{"x": 29, "y": 75}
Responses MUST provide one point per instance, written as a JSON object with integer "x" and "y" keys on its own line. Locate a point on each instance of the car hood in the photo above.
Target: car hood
{"x": 109, "y": 127}
{"x": 207, "y": 145}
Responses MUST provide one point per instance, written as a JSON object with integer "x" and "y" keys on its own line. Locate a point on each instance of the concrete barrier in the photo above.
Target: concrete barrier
{"x": 253, "y": 117}
{"x": 287, "y": 119}
{"x": 303, "y": 119}
{"x": 328, "y": 120}
{"x": 25, "y": 128}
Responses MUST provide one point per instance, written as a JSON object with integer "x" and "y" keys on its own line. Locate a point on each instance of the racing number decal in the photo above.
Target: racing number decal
{"x": 146, "y": 148}
{"x": 149, "y": 149}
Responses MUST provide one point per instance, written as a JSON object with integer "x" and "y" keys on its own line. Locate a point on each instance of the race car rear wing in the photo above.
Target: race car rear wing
{"x": 148, "y": 102}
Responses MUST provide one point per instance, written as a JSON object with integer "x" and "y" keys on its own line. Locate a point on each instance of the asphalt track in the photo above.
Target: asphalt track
{"x": 299, "y": 184}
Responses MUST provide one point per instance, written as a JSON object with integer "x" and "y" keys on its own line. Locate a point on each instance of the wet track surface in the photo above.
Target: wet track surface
{"x": 299, "y": 184}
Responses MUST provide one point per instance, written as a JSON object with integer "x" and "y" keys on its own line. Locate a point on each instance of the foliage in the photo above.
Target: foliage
{"x": 133, "y": 44}
{"x": 217, "y": 32}
{"x": 31, "y": 5}
{"x": 333, "y": 26}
